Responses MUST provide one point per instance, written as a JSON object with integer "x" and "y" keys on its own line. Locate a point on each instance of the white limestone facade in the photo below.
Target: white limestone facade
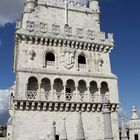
{"x": 62, "y": 67}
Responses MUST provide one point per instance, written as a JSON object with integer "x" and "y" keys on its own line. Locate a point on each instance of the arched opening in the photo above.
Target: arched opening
{"x": 104, "y": 88}
{"x": 49, "y": 59}
{"x": 81, "y": 61}
{"x": 70, "y": 87}
{"x": 32, "y": 87}
{"x": 93, "y": 89}
{"x": 45, "y": 87}
{"x": 136, "y": 137}
{"x": 58, "y": 88}
{"x": 82, "y": 88}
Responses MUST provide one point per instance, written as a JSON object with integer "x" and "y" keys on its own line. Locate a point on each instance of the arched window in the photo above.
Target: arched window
{"x": 49, "y": 59}
{"x": 81, "y": 61}
{"x": 32, "y": 87}
{"x": 70, "y": 87}
{"x": 104, "y": 88}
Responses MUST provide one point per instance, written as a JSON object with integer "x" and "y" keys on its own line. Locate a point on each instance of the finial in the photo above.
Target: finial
{"x": 63, "y": 135}
{"x": 134, "y": 113}
{"x": 123, "y": 130}
{"x": 80, "y": 130}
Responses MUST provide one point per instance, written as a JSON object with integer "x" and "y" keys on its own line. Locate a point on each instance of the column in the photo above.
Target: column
{"x": 107, "y": 120}
{"x": 88, "y": 89}
{"x": 64, "y": 94}
{"x": 76, "y": 87}
{"x": 52, "y": 94}
{"x": 39, "y": 91}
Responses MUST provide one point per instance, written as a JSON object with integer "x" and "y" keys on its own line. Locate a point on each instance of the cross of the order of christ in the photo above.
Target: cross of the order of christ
{"x": 66, "y": 12}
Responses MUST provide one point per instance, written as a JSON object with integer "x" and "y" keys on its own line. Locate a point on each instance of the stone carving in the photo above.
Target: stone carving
{"x": 32, "y": 54}
{"x": 102, "y": 36}
{"x": 43, "y": 27}
{"x": 30, "y": 26}
{"x": 80, "y": 32}
{"x": 68, "y": 58}
{"x": 68, "y": 30}
{"x": 18, "y": 25}
{"x": 56, "y": 29}
{"x": 110, "y": 37}
{"x": 91, "y": 34}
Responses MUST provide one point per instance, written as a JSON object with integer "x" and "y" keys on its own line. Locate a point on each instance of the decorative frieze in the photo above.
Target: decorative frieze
{"x": 67, "y": 30}
{"x": 43, "y": 27}
{"x": 80, "y": 32}
{"x": 30, "y": 26}
{"x": 61, "y": 106}
{"x": 91, "y": 46}
{"x": 56, "y": 29}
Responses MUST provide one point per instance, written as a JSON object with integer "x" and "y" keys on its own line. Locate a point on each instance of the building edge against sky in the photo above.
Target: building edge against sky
{"x": 62, "y": 67}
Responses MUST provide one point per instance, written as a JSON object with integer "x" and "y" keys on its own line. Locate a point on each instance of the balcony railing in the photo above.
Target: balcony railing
{"x": 82, "y": 66}
{"x": 63, "y": 97}
{"x": 50, "y": 63}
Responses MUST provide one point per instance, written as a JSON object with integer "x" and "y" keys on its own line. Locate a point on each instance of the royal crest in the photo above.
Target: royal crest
{"x": 68, "y": 58}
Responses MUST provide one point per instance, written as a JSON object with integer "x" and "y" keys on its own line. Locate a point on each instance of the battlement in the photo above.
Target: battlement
{"x": 62, "y": 3}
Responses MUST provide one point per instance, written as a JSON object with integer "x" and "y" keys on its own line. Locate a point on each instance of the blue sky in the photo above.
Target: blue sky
{"x": 122, "y": 17}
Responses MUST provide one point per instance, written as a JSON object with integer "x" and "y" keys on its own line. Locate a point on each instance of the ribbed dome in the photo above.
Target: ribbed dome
{"x": 134, "y": 123}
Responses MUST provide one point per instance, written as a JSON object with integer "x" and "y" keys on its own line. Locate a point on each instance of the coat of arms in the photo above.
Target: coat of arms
{"x": 68, "y": 58}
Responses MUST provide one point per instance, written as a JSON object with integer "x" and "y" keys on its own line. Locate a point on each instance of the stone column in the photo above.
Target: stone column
{"x": 39, "y": 90}
{"x": 52, "y": 92}
{"x": 64, "y": 94}
{"x": 88, "y": 90}
{"x": 76, "y": 87}
{"x": 107, "y": 120}
{"x": 53, "y": 131}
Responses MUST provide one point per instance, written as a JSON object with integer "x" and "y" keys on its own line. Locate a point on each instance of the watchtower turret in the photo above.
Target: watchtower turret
{"x": 30, "y": 5}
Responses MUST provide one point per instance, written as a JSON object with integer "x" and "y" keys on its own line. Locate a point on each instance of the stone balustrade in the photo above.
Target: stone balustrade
{"x": 64, "y": 97}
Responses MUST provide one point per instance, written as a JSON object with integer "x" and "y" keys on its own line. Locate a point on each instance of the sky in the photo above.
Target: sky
{"x": 121, "y": 17}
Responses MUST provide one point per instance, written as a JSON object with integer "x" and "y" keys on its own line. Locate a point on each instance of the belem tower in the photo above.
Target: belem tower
{"x": 65, "y": 89}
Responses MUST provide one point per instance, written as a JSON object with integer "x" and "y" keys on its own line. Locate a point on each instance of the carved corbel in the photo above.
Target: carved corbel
{"x": 61, "y": 106}
{"x": 72, "y": 107}
{"x": 44, "y": 106}
{"x": 99, "y": 107}
{"x": 78, "y": 107}
{"x": 39, "y": 106}
{"x": 27, "y": 106}
{"x": 46, "y": 41}
{"x": 93, "y": 47}
{"x": 50, "y": 106}
{"x": 16, "y": 105}
{"x": 83, "y": 107}
{"x": 56, "y": 107}
{"x": 33, "y": 106}
{"x": 88, "y": 107}
{"x": 21, "y": 105}
{"x": 67, "y": 107}
{"x": 94, "y": 108}
{"x": 36, "y": 40}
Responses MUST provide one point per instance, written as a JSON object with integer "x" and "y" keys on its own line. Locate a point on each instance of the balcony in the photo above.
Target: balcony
{"x": 82, "y": 66}
{"x": 63, "y": 97}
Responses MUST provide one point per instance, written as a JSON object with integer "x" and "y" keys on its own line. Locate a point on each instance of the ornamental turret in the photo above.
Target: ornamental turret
{"x": 30, "y": 5}
{"x": 123, "y": 130}
{"x": 94, "y": 5}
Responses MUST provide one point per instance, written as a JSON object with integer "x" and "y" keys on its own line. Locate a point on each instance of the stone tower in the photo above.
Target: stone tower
{"x": 62, "y": 66}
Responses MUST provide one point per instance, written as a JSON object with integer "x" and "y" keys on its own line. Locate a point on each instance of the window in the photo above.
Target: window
{"x": 50, "y": 59}
{"x": 81, "y": 59}
{"x": 136, "y": 137}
